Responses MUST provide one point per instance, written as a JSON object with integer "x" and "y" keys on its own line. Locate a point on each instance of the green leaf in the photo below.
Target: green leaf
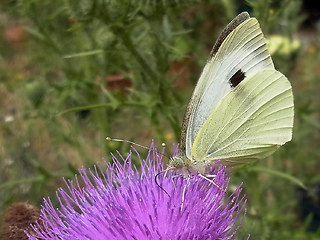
{"x": 280, "y": 174}
{"x": 83, "y": 54}
{"x": 313, "y": 122}
{"x": 87, "y": 107}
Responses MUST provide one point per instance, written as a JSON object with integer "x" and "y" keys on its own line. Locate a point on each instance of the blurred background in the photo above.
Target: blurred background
{"x": 73, "y": 72}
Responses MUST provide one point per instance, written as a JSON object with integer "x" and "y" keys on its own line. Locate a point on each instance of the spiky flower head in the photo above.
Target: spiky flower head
{"x": 123, "y": 202}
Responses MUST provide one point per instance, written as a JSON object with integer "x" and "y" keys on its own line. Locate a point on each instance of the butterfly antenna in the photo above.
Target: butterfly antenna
{"x": 132, "y": 143}
{"x": 136, "y": 144}
{"x": 156, "y": 179}
{"x": 145, "y": 147}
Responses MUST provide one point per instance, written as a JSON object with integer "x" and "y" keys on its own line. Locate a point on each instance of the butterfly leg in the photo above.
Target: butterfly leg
{"x": 175, "y": 176}
{"x": 211, "y": 176}
{"x": 184, "y": 192}
{"x": 211, "y": 181}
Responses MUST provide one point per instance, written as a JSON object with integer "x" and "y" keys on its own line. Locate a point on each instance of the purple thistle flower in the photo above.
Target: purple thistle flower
{"x": 124, "y": 203}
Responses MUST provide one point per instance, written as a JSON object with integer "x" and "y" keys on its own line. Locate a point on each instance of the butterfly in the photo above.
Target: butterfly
{"x": 241, "y": 108}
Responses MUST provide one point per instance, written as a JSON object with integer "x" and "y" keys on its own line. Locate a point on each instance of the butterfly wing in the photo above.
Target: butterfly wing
{"x": 251, "y": 122}
{"x": 240, "y": 52}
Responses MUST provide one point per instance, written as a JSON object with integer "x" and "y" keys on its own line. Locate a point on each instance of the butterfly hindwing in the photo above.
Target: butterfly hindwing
{"x": 238, "y": 54}
{"x": 250, "y": 122}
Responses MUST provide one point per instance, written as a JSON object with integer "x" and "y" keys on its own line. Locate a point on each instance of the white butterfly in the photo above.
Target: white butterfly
{"x": 241, "y": 108}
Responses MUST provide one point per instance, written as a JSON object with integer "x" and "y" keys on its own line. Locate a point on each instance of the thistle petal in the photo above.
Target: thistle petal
{"x": 124, "y": 203}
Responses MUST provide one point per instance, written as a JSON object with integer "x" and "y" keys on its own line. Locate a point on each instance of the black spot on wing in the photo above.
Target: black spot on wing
{"x": 236, "y": 78}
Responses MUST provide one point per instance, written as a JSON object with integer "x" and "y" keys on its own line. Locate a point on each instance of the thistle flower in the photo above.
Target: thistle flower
{"x": 123, "y": 202}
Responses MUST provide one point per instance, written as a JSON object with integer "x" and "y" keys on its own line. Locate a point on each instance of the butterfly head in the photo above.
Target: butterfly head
{"x": 186, "y": 166}
{"x": 180, "y": 163}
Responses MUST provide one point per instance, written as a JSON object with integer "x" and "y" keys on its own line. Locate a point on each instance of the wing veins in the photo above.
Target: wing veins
{"x": 249, "y": 117}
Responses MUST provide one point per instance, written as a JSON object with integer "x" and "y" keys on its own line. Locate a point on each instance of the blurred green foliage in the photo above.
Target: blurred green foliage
{"x": 73, "y": 72}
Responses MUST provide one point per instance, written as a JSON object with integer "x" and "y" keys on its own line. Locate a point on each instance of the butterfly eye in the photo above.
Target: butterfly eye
{"x": 176, "y": 162}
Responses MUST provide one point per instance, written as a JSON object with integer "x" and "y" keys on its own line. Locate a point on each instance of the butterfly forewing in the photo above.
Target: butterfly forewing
{"x": 250, "y": 122}
{"x": 241, "y": 54}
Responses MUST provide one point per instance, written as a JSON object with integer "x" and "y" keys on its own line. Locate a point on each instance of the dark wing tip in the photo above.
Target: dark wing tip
{"x": 228, "y": 29}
